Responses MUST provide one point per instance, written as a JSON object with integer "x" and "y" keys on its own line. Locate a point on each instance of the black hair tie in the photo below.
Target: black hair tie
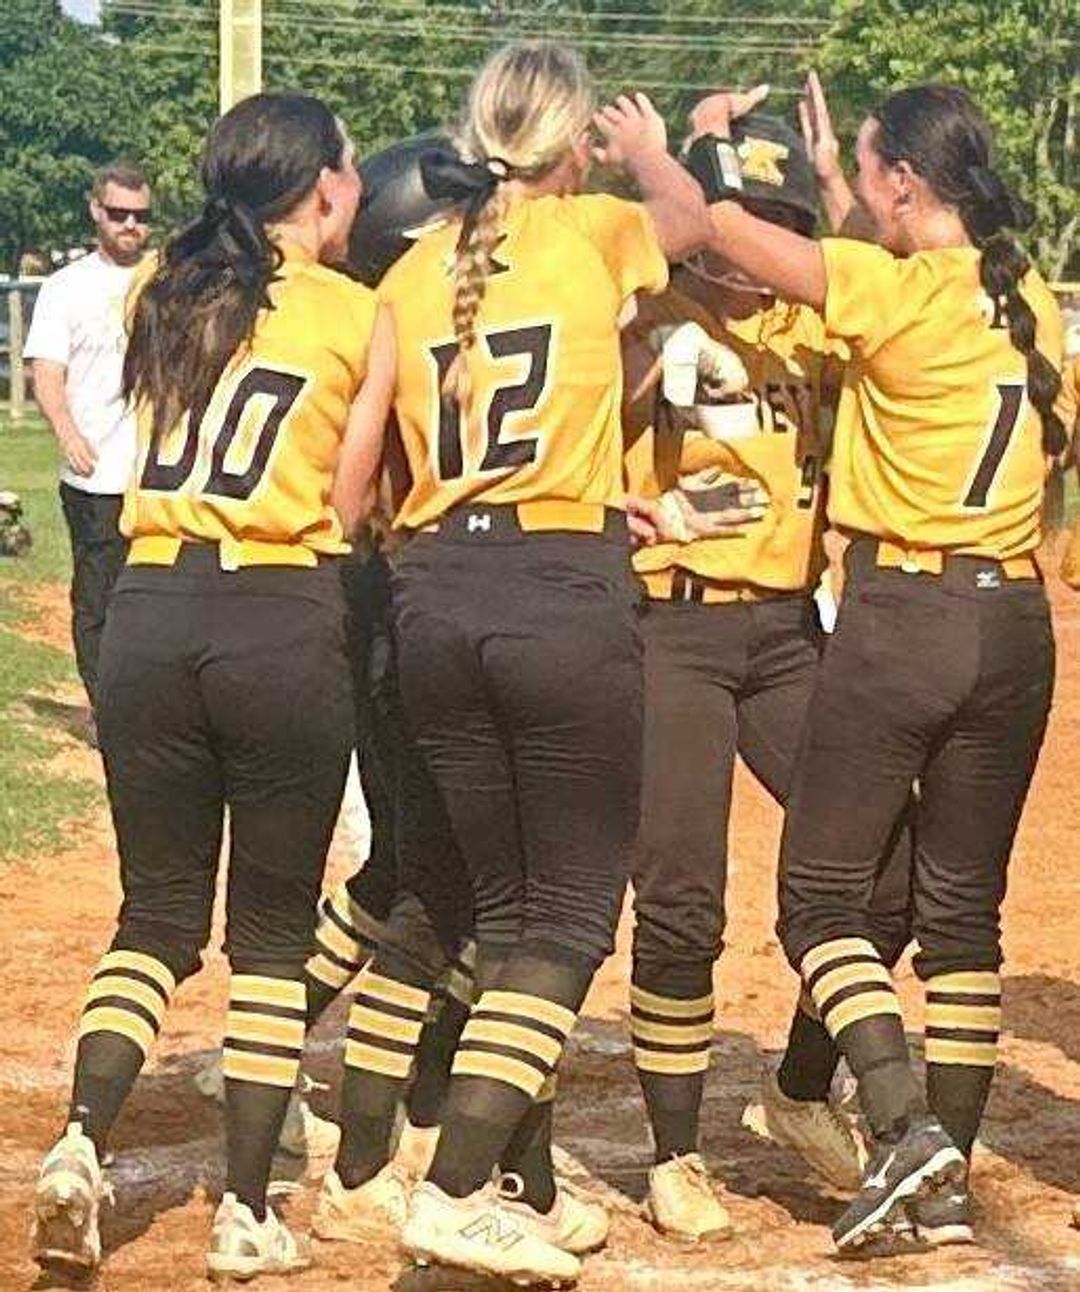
{"x": 472, "y": 184}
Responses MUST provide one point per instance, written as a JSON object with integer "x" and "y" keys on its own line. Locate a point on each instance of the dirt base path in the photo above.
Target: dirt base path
{"x": 57, "y": 913}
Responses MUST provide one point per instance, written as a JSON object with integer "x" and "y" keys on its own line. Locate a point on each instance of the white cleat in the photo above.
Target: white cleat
{"x": 416, "y": 1150}
{"x": 483, "y": 1234}
{"x": 67, "y": 1203}
{"x": 821, "y": 1135}
{"x": 374, "y": 1210}
{"x": 242, "y": 1247}
{"x": 574, "y": 1223}
{"x": 681, "y": 1203}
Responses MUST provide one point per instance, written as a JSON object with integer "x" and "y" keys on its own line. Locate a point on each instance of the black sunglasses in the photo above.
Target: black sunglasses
{"x": 120, "y": 214}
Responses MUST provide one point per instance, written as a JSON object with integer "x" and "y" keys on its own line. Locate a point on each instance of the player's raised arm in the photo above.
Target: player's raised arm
{"x": 792, "y": 266}
{"x": 635, "y": 138}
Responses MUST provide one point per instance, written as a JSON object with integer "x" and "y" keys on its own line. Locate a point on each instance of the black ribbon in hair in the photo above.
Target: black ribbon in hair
{"x": 997, "y": 206}
{"x": 470, "y": 184}
{"x": 242, "y": 238}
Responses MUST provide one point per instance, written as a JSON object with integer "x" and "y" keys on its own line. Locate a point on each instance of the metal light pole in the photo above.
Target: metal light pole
{"x": 240, "y": 27}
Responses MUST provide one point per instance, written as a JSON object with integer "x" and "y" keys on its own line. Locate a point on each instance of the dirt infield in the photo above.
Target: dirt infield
{"x": 57, "y": 913}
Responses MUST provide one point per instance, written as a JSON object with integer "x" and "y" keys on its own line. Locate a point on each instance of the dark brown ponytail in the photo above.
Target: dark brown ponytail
{"x": 261, "y": 158}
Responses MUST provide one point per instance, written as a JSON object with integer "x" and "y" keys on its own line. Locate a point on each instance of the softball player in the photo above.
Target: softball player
{"x": 942, "y": 665}
{"x": 224, "y": 679}
{"x": 731, "y": 652}
{"x": 514, "y": 603}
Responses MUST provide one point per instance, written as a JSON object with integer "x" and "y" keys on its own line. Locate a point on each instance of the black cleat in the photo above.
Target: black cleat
{"x": 897, "y": 1173}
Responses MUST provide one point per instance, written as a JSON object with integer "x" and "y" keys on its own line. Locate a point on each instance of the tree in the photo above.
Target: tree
{"x": 63, "y": 102}
{"x": 1021, "y": 61}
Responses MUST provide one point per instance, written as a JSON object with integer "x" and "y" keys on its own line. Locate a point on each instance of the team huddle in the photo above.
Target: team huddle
{"x": 549, "y": 503}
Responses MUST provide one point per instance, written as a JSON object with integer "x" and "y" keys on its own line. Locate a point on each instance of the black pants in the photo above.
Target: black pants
{"x": 415, "y": 879}
{"x": 224, "y": 689}
{"x": 721, "y": 680}
{"x": 98, "y": 553}
{"x": 520, "y": 665}
{"x": 944, "y": 679}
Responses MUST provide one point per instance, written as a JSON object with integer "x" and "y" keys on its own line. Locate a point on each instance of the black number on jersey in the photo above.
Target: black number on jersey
{"x": 499, "y": 455}
{"x": 1010, "y": 402}
{"x": 282, "y": 387}
{"x": 811, "y": 475}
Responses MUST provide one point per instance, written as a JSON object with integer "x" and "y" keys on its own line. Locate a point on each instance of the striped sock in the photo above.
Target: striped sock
{"x": 125, "y": 1005}
{"x": 515, "y": 1039}
{"x": 264, "y": 1039}
{"x": 509, "y": 1049}
{"x": 963, "y": 1020}
{"x": 345, "y": 938}
{"x": 853, "y": 993}
{"x": 385, "y": 1024}
{"x": 671, "y": 1037}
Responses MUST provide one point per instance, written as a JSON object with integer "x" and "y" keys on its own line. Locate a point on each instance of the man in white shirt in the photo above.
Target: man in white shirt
{"x": 76, "y": 341}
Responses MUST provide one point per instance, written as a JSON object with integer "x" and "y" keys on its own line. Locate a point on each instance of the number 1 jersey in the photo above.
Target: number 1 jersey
{"x": 259, "y": 466}
{"x": 543, "y": 419}
{"x": 937, "y": 445}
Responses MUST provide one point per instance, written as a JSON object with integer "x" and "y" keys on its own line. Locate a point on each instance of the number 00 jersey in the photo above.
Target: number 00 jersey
{"x": 543, "y": 421}
{"x": 937, "y": 445}
{"x": 784, "y": 351}
{"x": 255, "y": 474}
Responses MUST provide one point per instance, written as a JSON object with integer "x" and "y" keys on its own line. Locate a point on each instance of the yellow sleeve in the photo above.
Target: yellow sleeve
{"x": 859, "y": 279}
{"x": 624, "y": 235}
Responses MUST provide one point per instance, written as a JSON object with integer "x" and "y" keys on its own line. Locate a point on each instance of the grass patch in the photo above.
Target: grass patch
{"x": 36, "y": 802}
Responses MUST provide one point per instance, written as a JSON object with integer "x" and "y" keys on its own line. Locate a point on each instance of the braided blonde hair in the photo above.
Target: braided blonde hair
{"x": 526, "y": 108}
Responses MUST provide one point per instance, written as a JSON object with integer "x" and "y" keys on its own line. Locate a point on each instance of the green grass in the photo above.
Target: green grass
{"x": 37, "y": 803}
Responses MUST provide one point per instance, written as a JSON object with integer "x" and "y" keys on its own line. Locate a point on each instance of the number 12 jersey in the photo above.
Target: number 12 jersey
{"x": 543, "y": 418}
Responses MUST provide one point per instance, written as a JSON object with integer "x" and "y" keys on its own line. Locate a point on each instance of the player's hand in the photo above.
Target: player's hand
{"x": 714, "y": 115}
{"x": 630, "y": 126}
{"x": 744, "y": 503}
{"x": 79, "y": 452}
{"x": 817, "y": 129}
{"x": 643, "y": 519}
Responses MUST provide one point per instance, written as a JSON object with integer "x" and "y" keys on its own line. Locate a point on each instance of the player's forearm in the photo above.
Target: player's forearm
{"x": 674, "y": 200}
{"x": 50, "y": 391}
{"x": 838, "y": 200}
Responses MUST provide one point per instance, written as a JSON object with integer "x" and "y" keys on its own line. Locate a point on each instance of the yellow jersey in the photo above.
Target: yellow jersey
{"x": 543, "y": 420}
{"x": 255, "y": 473}
{"x": 937, "y": 446}
{"x": 787, "y": 358}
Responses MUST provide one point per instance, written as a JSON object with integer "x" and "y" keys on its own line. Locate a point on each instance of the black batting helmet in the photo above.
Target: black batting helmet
{"x": 396, "y": 205}
{"x": 777, "y": 172}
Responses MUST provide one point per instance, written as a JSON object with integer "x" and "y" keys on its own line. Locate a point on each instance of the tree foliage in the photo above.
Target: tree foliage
{"x": 1021, "y": 61}
{"x": 145, "y": 83}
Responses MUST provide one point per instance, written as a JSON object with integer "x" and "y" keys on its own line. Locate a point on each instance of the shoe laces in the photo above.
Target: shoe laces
{"x": 691, "y": 1174}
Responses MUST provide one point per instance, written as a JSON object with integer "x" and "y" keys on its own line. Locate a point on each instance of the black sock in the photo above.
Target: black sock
{"x": 511, "y": 1044}
{"x": 963, "y": 1018}
{"x": 809, "y": 1063}
{"x": 853, "y": 993}
{"x": 264, "y": 1039}
{"x": 385, "y": 1024}
{"x": 125, "y": 1004}
{"x": 528, "y": 1156}
{"x": 434, "y": 1056}
{"x": 671, "y": 1024}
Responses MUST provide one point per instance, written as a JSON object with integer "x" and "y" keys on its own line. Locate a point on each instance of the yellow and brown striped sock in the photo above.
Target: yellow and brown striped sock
{"x": 385, "y": 1024}
{"x": 671, "y": 1037}
{"x": 264, "y": 1040}
{"x": 345, "y": 939}
{"x": 125, "y": 1005}
{"x": 852, "y": 991}
{"x": 963, "y": 1021}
